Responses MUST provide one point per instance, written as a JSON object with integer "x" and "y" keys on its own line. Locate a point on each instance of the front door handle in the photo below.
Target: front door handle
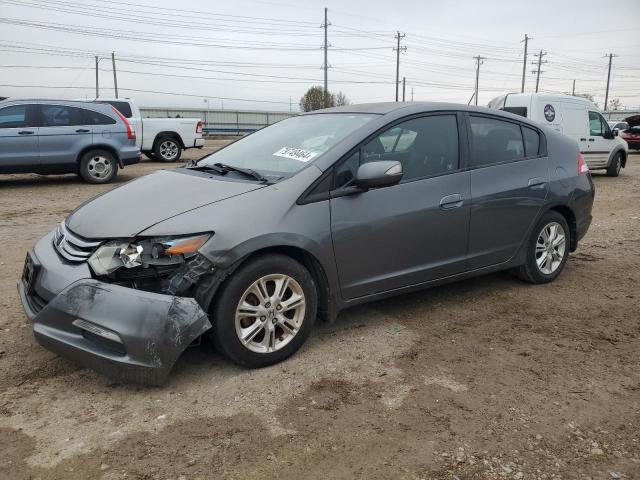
{"x": 451, "y": 201}
{"x": 82, "y": 130}
{"x": 536, "y": 182}
{"x": 592, "y": 139}
{"x": 26, "y": 132}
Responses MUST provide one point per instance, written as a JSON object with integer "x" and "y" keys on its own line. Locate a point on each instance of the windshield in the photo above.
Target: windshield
{"x": 287, "y": 146}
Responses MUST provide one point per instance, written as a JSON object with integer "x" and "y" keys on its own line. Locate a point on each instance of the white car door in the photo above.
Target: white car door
{"x": 599, "y": 147}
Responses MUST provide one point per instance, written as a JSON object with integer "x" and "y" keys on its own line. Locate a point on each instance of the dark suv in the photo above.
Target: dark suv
{"x": 299, "y": 220}
{"x": 59, "y": 136}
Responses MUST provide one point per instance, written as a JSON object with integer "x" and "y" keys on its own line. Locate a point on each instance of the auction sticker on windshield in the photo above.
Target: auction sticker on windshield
{"x": 296, "y": 154}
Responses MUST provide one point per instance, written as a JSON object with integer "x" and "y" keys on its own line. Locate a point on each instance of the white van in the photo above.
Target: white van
{"x": 577, "y": 118}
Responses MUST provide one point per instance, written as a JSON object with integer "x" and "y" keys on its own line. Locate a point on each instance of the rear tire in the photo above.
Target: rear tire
{"x": 547, "y": 249}
{"x": 98, "y": 166}
{"x": 262, "y": 328}
{"x": 167, "y": 149}
{"x": 613, "y": 170}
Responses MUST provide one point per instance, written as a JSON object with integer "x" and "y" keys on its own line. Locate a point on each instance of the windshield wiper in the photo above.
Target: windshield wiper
{"x": 245, "y": 171}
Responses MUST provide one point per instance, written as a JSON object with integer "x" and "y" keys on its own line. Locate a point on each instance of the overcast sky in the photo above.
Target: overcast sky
{"x": 259, "y": 54}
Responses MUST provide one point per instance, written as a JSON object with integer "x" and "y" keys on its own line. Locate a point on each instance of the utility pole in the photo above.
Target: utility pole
{"x": 115, "y": 75}
{"x": 412, "y": 94}
{"x": 539, "y": 63}
{"x": 478, "y": 63}
{"x": 289, "y": 102}
{"x": 97, "y": 87}
{"x": 326, "y": 64}
{"x": 573, "y": 90}
{"x": 398, "y": 49}
{"x": 606, "y": 95}
{"x": 404, "y": 86}
{"x": 524, "y": 63}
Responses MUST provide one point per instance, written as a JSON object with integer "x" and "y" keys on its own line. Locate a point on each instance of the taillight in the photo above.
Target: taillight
{"x": 131, "y": 134}
{"x": 199, "y": 126}
{"x": 582, "y": 165}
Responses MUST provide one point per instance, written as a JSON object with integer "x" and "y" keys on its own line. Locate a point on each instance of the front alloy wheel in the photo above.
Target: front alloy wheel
{"x": 264, "y": 311}
{"x": 270, "y": 313}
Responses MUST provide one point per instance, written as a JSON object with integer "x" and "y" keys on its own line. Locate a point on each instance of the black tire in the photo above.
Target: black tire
{"x": 149, "y": 155}
{"x": 530, "y": 271}
{"x": 613, "y": 170}
{"x": 91, "y": 164}
{"x": 223, "y": 310}
{"x": 167, "y": 149}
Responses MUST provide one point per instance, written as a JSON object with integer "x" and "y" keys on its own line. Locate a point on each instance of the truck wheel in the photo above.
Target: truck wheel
{"x": 167, "y": 149}
{"x": 613, "y": 170}
{"x": 98, "y": 166}
{"x": 265, "y": 311}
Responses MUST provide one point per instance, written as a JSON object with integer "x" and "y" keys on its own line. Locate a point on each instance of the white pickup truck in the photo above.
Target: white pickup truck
{"x": 159, "y": 138}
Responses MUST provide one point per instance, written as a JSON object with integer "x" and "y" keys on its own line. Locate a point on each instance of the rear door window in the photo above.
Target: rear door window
{"x": 61, "y": 116}
{"x": 13, "y": 117}
{"x": 495, "y": 141}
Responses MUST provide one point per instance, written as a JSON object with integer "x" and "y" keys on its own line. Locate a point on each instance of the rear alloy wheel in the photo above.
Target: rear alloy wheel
{"x": 616, "y": 165}
{"x": 265, "y": 311}
{"x": 167, "y": 149}
{"x": 98, "y": 166}
{"x": 547, "y": 249}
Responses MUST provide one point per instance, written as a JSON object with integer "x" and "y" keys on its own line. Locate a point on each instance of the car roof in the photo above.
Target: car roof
{"x": 401, "y": 109}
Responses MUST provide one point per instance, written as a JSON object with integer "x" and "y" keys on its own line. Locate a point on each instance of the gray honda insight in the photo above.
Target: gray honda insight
{"x": 298, "y": 221}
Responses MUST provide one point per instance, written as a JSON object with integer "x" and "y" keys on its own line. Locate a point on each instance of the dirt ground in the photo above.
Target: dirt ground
{"x": 489, "y": 378}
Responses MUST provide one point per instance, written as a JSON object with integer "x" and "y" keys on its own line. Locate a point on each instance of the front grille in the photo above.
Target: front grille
{"x": 71, "y": 246}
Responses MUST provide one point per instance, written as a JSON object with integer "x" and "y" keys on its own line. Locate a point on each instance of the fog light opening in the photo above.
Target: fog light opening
{"x": 96, "y": 330}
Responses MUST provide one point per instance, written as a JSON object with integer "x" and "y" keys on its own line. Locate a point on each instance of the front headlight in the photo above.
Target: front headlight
{"x": 145, "y": 252}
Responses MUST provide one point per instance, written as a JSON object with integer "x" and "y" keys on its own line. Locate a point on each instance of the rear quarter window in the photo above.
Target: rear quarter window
{"x": 96, "y": 118}
{"x": 531, "y": 141}
{"x": 123, "y": 107}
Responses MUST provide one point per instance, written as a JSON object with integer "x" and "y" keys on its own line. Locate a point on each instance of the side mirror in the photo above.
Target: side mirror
{"x": 378, "y": 174}
{"x": 608, "y": 134}
{"x": 616, "y": 132}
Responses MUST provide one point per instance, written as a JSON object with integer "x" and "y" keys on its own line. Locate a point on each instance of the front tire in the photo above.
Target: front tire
{"x": 547, "y": 249}
{"x": 98, "y": 166}
{"x": 265, "y": 311}
{"x": 167, "y": 149}
{"x": 613, "y": 170}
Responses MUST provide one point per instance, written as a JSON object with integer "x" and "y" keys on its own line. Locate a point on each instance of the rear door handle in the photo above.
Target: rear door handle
{"x": 583, "y": 139}
{"x": 82, "y": 130}
{"x": 26, "y": 132}
{"x": 536, "y": 182}
{"x": 451, "y": 201}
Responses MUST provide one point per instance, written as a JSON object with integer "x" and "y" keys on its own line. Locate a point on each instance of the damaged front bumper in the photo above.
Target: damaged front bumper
{"x": 126, "y": 334}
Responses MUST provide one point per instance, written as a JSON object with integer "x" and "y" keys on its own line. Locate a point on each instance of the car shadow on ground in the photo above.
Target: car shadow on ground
{"x": 389, "y": 314}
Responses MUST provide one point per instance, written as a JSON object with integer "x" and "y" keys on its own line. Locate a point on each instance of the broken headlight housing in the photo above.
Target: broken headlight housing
{"x": 145, "y": 252}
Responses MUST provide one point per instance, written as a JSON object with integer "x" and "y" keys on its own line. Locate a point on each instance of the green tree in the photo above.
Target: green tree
{"x": 315, "y": 99}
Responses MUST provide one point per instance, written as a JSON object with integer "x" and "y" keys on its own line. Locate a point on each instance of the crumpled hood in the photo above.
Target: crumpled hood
{"x": 633, "y": 120}
{"x": 135, "y": 206}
